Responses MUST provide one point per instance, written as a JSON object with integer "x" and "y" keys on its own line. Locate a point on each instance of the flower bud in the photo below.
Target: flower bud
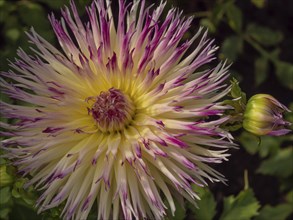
{"x": 263, "y": 116}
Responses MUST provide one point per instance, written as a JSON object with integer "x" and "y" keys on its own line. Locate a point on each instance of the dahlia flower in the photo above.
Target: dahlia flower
{"x": 121, "y": 116}
{"x": 263, "y": 116}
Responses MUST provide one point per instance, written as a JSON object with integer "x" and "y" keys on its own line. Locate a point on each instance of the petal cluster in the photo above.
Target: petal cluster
{"x": 121, "y": 116}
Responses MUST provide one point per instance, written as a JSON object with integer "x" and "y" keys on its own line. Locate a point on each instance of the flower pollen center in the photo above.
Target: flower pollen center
{"x": 112, "y": 110}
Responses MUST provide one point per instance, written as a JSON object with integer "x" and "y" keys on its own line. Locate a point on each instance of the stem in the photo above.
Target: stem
{"x": 246, "y": 182}
{"x": 200, "y": 14}
{"x": 257, "y": 47}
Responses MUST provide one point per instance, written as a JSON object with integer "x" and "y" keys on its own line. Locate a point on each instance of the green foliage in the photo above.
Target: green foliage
{"x": 5, "y": 178}
{"x": 234, "y": 15}
{"x": 231, "y": 48}
{"x": 244, "y": 206}
{"x": 280, "y": 165}
{"x": 289, "y": 197}
{"x": 264, "y": 146}
{"x": 206, "y": 205}
{"x": 32, "y": 14}
{"x": 5, "y": 195}
{"x": 237, "y": 103}
{"x": 27, "y": 195}
{"x": 253, "y": 34}
{"x": 237, "y": 93}
{"x": 284, "y": 72}
{"x": 261, "y": 66}
{"x": 13, "y": 196}
{"x": 264, "y": 35}
{"x": 24, "y": 213}
{"x": 250, "y": 142}
{"x": 180, "y": 211}
{"x": 53, "y": 4}
{"x": 15, "y": 19}
{"x": 259, "y": 3}
{"x": 280, "y": 212}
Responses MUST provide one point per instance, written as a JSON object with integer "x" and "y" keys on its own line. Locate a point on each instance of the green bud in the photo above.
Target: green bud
{"x": 263, "y": 116}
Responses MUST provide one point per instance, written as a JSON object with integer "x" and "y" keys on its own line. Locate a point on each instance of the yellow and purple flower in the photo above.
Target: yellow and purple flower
{"x": 264, "y": 116}
{"x": 122, "y": 116}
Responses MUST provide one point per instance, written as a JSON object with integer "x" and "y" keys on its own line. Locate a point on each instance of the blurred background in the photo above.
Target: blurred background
{"x": 257, "y": 37}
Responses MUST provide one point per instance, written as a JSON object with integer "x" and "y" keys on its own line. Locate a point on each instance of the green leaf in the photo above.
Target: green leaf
{"x": 206, "y": 205}
{"x": 286, "y": 184}
{"x": 180, "y": 211}
{"x": 2, "y": 2}
{"x": 80, "y": 5}
{"x": 208, "y": 24}
{"x": 280, "y": 212}
{"x": 5, "y": 178}
{"x": 269, "y": 146}
{"x": 261, "y": 65}
{"x": 54, "y": 4}
{"x": 258, "y": 3}
{"x": 13, "y": 34}
{"x": 231, "y": 47}
{"x": 244, "y": 206}
{"x": 284, "y": 72}
{"x": 234, "y": 16}
{"x": 4, "y": 213}
{"x": 264, "y": 35}
{"x": 218, "y": 12}
{"x": 5, "y": 195}
{"x": 20, "y": 212}
{"x": 265, "y": 145}
{"x": 236, "y": 91}
{"x": 27, "y": 197}
{"x": 5, "y": 9}
{"x": 280, "y": 165}
{"x": 2, "y": 161}
{"x": 84, "y": 3}
{"x": 238, "y": 106}
{"x": 33, "y": 14}
{"x": 250, "y": 142}
{"x": 289, "y": 197}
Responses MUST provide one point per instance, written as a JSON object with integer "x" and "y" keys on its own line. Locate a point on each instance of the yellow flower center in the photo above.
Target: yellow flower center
{"x": 112, "y": 110}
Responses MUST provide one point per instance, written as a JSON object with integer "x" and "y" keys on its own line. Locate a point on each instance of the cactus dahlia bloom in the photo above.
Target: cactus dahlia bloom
{"x": 120, "y": 117}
